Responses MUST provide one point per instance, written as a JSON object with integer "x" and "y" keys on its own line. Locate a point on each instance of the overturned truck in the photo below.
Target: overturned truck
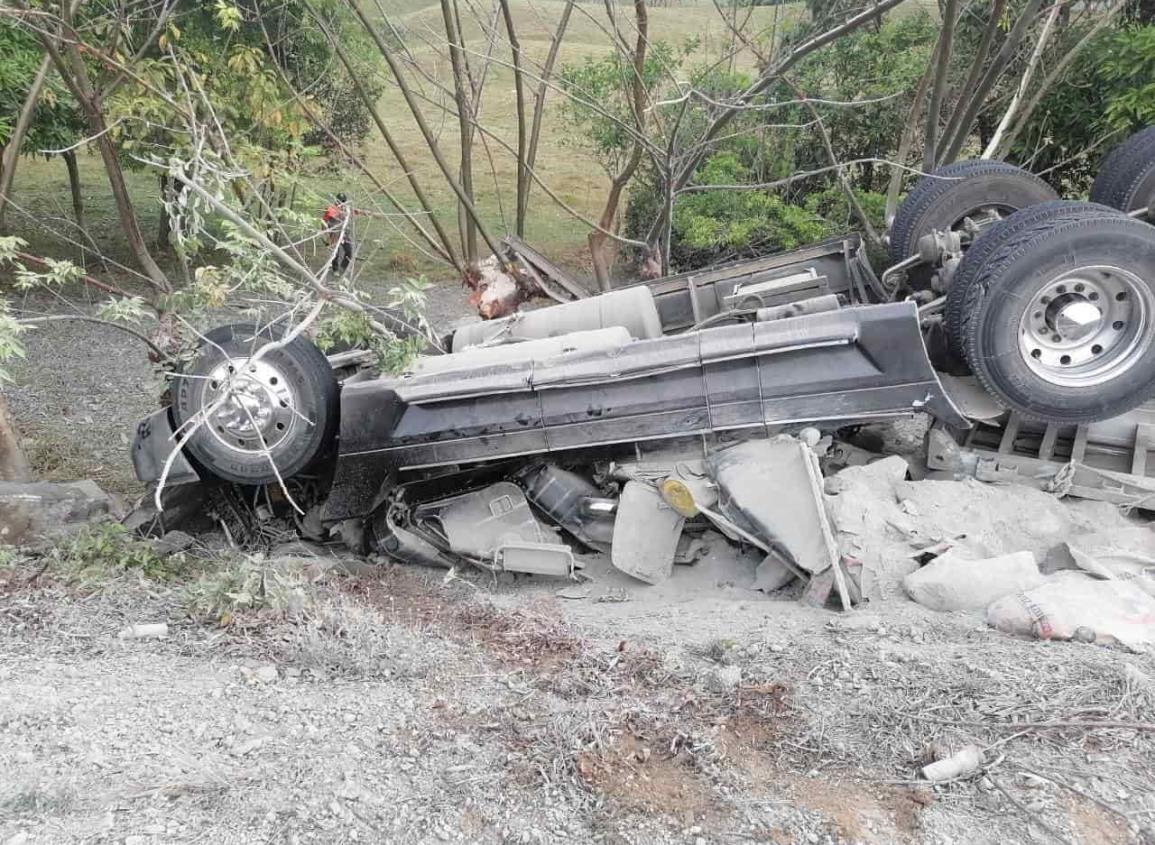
{"x": 604, "y": 417}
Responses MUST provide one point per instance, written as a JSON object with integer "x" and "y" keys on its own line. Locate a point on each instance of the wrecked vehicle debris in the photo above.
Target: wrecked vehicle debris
{"x": 623, "y": 423}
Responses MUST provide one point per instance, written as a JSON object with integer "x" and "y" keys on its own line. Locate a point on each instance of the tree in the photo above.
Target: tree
{"x": 36, "y": 113}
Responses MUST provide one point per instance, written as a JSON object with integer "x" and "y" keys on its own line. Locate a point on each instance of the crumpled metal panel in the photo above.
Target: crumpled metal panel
{"x": 856, "y": 364}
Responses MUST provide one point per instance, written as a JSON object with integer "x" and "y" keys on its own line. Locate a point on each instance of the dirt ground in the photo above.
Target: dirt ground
{"x": 399, "y": 704}
{"x": 402, "y": 707}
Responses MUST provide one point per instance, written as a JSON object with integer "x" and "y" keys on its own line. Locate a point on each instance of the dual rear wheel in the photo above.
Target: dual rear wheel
{"x": 1053, "y": 304}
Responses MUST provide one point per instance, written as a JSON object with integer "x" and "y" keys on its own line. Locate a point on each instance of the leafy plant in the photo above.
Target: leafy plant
{"x": 1108, "y": 93}
{"x": 247, "y": 586}
{"x": 713, "y": 225}
{"x": 98, "y": 552}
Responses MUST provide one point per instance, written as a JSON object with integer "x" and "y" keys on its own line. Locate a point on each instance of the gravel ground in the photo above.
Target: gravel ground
{"x": 81, "y": 389}
{"x": 404, "y": 708}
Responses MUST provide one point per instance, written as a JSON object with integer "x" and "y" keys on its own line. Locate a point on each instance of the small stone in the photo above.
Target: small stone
{"x": 173, "y": 542}
{"x": 265, "y": 674}
{"x": 243, "y": 748}
{"x": 726, "y": 678}
{"x": 1083, "y": 634}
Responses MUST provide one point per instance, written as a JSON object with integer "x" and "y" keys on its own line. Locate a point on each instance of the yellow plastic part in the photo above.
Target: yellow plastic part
{"x": 678, "y": 496}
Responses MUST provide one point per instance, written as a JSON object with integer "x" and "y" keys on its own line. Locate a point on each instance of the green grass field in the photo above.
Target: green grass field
{"x": 42, "y": 187}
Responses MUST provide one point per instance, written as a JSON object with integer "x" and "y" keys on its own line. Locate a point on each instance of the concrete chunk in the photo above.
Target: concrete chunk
{"x": 33, "y": 512}
{"x": 951, "y": 582}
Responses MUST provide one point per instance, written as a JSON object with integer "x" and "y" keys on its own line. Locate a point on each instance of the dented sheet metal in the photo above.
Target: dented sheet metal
{"x": 773, "y": 488}
{"x": 852, "y": 365}
{"x": 646, "y": 534}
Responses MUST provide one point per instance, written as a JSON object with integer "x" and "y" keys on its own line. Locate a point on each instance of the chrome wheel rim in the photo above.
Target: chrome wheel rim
{"x": 252, "y": 406}
{"x": 1087, "y": 326}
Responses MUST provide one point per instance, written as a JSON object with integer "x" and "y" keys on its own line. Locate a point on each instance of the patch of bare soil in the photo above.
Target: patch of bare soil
{"x": 634, "y": 778}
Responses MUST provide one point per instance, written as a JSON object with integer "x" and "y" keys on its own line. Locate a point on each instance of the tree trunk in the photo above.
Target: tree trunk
{"x": 539, "y": 97}
{"x": 16, "y": 139}
{"x": 603, "y": 248}
{"x": 73, "y": 167}
{"x": 73, "y": 71}
{"x": 522, "y": 140}
{"x": 13, "y": 466}
{"x": 941, "y": 56}
{"x": 461, "y": 89}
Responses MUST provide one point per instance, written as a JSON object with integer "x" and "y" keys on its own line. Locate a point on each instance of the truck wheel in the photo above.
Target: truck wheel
{"x": 1065, "y": 331}
{"x": 980, "y": 189}
{"x": 1126, "y": 179}
{"x": 977, "y": 189}
{"x": 963, "y": 296}
{"x": 281, "y": 407}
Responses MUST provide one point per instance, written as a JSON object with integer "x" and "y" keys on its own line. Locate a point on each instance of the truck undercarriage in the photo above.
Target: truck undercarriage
{"x": 614, "y": 409}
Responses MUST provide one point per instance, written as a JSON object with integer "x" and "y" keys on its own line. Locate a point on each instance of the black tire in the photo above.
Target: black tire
{"x": 963, "y": 297}
{"x": 1029, "y": 263}
{"x": 1126, "y": 178}
{"x": 301, "y": 400}
{"x": 942, "y": 199}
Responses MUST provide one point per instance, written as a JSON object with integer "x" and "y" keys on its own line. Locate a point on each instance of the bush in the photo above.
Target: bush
{"x": 99, "y": 552}
{"x": 1108, "y": 94}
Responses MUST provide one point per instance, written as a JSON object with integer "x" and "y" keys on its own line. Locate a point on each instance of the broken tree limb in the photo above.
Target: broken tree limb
{"x": 86, "y": 279}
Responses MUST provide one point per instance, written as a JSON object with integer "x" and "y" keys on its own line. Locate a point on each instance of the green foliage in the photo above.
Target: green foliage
{"x": 600, "y": 105}
{"x": 831, "y": 205}
{"x": 10, "y": 346}
{"x": 1127, "y": 65}
{"x": 346, "y": 329}
{"x": 714, "y": 225}
{"x": 247, "y": 586}
{"x": 867, "y": 79}
{"x": 1108, "y": 93}
{"x": 105, "y": 550}
{"x": 881, "y": 66}
{"x": 56, "y": 123}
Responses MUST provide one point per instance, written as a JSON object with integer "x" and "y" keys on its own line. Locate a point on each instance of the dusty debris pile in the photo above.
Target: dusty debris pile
{"x": 825, "y": 521}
